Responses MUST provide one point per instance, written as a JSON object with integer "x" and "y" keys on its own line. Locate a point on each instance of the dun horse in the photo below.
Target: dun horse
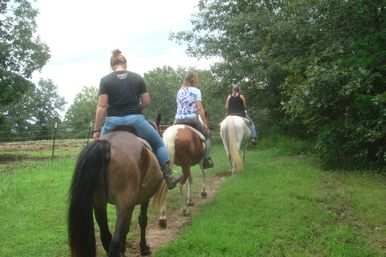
{"x": 119, "y": 169}
{"x": 235, "y": 135}
{"x": 186, "y": 147}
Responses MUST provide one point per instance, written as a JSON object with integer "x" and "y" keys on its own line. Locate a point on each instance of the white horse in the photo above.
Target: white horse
{"x": 235, "y": 135}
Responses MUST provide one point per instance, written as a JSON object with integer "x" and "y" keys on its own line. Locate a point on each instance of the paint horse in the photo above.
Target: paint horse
{"x": 235, "y": 135}
{"x": 120, "y": 169}
{"x": 186, "y": 147}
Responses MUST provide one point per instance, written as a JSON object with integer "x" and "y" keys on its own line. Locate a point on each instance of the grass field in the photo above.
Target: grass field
{"x": 281, "y": 204}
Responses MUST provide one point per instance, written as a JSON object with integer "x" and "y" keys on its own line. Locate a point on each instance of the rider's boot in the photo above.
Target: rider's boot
{"x": 168, "y": 176}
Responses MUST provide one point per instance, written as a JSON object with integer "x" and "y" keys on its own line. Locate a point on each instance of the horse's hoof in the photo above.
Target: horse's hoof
{"x": 145, "y": 250}
{"x": 190, "y": 204}
{"x": 162, "y": 223}
{"x": 204, "y": 194}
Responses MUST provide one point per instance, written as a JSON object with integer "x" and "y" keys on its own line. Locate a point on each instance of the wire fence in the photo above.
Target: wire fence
{"x": 49, "y": 142}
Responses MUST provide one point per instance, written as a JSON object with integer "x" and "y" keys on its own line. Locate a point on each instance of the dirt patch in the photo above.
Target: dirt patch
{"x": 157, "y": 237}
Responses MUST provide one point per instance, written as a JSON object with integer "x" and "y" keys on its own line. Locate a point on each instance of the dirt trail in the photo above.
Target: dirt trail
{"x": 156, "y": 237}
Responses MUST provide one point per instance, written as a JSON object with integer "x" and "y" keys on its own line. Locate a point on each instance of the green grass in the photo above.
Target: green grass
{"x": 284, "y": 205}
{"x": 281, "y": 204}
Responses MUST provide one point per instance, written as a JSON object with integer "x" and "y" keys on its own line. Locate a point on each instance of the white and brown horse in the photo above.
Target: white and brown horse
{"x": 235, "y": 135}
{"x": 186, "y": 147}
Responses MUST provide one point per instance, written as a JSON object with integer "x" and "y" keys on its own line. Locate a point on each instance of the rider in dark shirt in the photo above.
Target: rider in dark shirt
{"x": 236, "y": 104}
{"x": 122, "y": 97}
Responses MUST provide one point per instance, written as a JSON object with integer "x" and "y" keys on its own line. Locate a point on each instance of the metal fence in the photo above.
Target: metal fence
{"x": 55, "y": 141}
{"x": 52, "y": 142}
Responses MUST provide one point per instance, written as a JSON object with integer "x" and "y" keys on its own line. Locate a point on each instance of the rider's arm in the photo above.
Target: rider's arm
{"x": 244, "y": 102}
{"x": 100, "y": 114}
{"x": 145, "y": 100}
{"x": 201, "y": 112}
{"x": 227, "y": 104}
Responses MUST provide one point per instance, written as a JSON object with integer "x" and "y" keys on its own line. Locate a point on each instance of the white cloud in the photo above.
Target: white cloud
{"x": 82, "y": 34}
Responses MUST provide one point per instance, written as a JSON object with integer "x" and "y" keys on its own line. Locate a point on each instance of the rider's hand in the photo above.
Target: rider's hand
{"x": 96, "y": 134}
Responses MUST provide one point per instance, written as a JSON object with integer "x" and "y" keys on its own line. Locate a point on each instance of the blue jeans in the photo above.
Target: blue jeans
{"x": 252, "y": 126}
{"x": 143, "y": 129}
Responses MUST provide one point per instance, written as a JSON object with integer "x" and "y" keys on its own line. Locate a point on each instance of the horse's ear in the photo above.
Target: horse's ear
{"x": 158, "y": 120}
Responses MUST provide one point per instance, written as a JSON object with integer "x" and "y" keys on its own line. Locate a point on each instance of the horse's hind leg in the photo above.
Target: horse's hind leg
{"x": 101, "y": 218}
{"x": 204, "y": 194}
{"x": 122, "y": 226}
{"x": 142, "y": 220}
{"x": 189, "y": 200}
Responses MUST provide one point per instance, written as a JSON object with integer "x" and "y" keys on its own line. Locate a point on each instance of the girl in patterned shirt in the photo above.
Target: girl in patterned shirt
{"x": 190, "y": 111}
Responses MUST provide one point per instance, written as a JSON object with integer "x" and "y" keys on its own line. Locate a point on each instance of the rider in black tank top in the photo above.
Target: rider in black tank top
{"x": 236, "y": 106}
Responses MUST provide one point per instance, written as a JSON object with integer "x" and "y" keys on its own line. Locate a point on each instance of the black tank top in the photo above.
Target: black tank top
{"x": 236, "y": 106}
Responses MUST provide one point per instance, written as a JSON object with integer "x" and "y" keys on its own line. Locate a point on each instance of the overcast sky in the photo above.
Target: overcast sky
{"x": 82, "y": 33}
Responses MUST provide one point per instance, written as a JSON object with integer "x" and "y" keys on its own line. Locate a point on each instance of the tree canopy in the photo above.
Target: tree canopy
{"x": 21, "y": 50}
{"x": 318, "y": 68}
{"x": 34, "y": 115}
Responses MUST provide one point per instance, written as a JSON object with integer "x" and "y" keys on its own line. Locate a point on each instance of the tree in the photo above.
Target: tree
{"x": 82, "y": 112}
{"x": 318, "y": 67}
{"x": 47, "y": 105}
{"x": 163, "y": 84}
{"x": 238, "y": 32}
{"x": 21, "y": 51}
{"x": 34, "y": 116}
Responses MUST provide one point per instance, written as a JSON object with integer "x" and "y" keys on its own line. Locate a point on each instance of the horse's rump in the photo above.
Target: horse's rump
{"x": 132, "y": 165}
{"x": 185, "y": 144}
{"x": 118, "y": 169}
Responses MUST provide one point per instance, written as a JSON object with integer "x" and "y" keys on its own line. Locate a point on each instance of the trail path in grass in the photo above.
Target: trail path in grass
{"x": 156, "y": 237}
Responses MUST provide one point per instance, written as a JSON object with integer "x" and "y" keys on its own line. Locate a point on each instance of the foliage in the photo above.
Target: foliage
{"x": 163, "y": 84}
{"x": 81, "y": 113}
{"x": 315, "y": 67}
{"x": 34, "y": 116}
{"x": 340, "y": 94}
{"x": 21, "y": 51}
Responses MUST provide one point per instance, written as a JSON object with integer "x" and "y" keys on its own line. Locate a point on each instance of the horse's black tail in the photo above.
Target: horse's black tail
{"x": 92, "y": 161}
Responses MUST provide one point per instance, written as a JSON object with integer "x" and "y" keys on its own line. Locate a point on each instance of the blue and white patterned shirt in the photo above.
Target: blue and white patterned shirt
{"x": 187, "y": 98}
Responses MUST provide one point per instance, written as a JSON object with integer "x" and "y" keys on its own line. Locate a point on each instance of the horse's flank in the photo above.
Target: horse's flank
{"x": 125, "y": 156}
{"x": 185, "y": 145}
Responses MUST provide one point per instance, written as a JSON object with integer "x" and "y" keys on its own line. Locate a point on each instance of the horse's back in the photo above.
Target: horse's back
{"x": 134, "y": 174}
{"x": 233, "y": 124}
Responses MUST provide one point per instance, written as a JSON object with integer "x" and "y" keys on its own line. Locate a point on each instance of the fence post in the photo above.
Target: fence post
{"x": 53, "y": 144}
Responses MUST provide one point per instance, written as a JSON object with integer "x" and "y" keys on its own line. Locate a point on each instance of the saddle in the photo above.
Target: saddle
{"x": 199, "y": 134}
{"x": 246, "y": 120}
{"x": 130, "y": 129}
